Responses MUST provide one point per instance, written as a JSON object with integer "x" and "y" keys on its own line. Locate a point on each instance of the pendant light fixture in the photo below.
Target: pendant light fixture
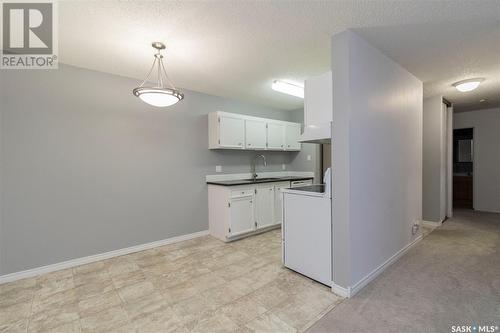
{"x": 468, "y": 85}
{"x": 164, "y": 92}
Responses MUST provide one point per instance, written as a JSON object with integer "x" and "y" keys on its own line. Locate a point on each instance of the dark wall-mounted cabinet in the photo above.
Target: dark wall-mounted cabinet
{"x": 462, "y": 191}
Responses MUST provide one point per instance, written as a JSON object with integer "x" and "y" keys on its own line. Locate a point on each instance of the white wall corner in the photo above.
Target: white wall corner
{"x": 367, "y": 220}
{"x": 341, "y": 291}
{"x": 377, "y": 271}
{"x": 432, "y": 224}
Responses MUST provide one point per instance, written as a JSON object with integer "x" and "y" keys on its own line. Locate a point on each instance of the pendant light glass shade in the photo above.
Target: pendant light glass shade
{"x": 160, "y": 97}
{"x": 164, "y": 92}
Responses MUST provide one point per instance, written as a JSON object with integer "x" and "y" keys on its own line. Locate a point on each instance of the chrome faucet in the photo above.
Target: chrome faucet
{"x": 254, "y": 174}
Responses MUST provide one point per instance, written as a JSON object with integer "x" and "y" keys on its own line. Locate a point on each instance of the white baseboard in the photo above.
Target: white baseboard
{"x": 486, "y": 211}
{"x": 432, "y": 224}
{"x": 89, "y": 259}
{"x": 341, "y": 291}
{"x": 376, "y": 272}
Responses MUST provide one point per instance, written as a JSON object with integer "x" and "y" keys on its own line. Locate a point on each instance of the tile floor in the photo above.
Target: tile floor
{"x": 199, "y": 285}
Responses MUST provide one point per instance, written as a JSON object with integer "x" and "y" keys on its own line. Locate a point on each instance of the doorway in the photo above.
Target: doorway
{"x": 326, "y": 157}
{"x": 463, "y": 168}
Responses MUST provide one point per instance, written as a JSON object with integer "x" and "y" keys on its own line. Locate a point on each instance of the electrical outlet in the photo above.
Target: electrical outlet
{"x": 218, "y": 168}
{"x": 283, "y": 166}
{"x": 414, "y": 228}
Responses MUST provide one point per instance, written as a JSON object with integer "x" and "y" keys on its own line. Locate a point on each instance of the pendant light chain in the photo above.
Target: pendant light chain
{"x": 161, "y": 71}
{"x": 160, "y": 80}
{"x": 149, "y": 73}
{"x": 166, "y": 76}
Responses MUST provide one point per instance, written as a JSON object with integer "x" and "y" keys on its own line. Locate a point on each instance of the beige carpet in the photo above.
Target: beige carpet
{"x": 452, "y": 277}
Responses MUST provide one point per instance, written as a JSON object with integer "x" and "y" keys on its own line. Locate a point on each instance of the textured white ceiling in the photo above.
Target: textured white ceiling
{"x": 236, "y": 48}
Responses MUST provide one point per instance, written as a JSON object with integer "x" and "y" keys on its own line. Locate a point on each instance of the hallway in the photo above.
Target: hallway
{"x": 451, "y": 278}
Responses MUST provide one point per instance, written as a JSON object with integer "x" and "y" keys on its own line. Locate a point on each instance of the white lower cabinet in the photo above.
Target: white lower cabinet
{"x": 278, "y": 201}
{"x": 241, "y": 215}
{"x": 238, "y": 211}
{"x": 264, "y": 206}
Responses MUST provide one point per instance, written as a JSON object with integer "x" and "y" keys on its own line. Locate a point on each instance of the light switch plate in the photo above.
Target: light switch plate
{"x": 218, "y": 168}
{"x": 308, "y": 157}
{"x": 283, "y": 166}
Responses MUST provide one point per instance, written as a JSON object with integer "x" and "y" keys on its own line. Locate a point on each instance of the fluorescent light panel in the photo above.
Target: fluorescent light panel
{"x": 288, "y": 88}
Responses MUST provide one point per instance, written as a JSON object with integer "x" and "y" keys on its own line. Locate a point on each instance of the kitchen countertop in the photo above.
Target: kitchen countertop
{"x": 257, "y": 181}
{"x": 316, "y": 188}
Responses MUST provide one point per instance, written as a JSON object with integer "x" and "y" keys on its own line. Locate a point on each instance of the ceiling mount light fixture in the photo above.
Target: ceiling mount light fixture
{"x": 164, "y": 92}
{"x": 288, "y": 88}
{"x": 468, "y": 85}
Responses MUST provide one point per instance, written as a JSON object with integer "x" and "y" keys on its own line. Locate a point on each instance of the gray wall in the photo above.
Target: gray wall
{"x": 1, "y": 186}
{"x": 486, "y": 124}
{"x": 299, "y": 161}
{"x": 88, "y": 168}
{"x": 433, "y": 154}
{"x": 377, "y": 153}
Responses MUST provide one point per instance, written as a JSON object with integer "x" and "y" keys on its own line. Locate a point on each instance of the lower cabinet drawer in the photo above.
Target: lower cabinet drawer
{"x": 242, "y": 192}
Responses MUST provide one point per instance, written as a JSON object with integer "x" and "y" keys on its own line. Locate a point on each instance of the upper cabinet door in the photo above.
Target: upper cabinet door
{"x": 255, "y": 134}
{"x": 231, "y": 132}
{"x": 318, "y": 105}
{"x": 292, "y": 134}
{"x": 237, "y": 131}
{"x": 275, "y": 136}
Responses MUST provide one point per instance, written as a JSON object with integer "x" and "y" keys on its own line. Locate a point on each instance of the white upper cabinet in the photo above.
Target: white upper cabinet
{"x": 236, "y": 131}
{"x": 231, "y": 132}
{"x": 255, "y": 134}
{"x": 275, "y": 136}
{"x": 292, "y": 135}
{"x": 318, "y": 100}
